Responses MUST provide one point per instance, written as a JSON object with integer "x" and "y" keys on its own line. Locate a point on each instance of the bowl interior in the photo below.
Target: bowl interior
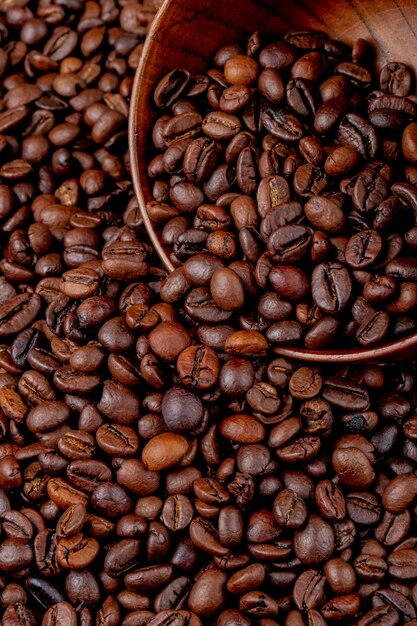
{"x": 186, "y": 33}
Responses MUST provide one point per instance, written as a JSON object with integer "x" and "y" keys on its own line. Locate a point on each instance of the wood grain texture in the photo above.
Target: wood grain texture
{"x": 186, "y": 33}
{"x": 401, "y": 350}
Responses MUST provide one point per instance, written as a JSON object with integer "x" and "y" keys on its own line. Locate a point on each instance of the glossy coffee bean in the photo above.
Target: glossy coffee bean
{"x": 158, "y": 462}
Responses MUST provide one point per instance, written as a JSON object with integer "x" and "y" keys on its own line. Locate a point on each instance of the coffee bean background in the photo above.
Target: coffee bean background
{"x": 158, "y": 464}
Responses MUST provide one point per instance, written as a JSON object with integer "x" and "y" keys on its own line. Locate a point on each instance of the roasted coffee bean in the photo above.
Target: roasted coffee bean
{"x": 401, "y": 565}
{"x": 198, "y": 367}
{"x": 363, "y": 249}
{"x": 18, "y": 313}
{"x": 345, "y": 396}
{"x": 61, "y": 611}
{"x": 71, "y": 521}
{"x": 309, "y": 589}
{"x": 331, "y": 287}
{"x": 395, "y": 78}
{"x": 282, "y": 125}
{"x": 171, "y": 87}
{"x": 262, "y": 166}
{"x": 199, "y": 601}
{"x": 164, "y": 451}
{"x": 87, "y": 474}
{"x": 16, "y": 526}
{"x": 289, "y": 243}
{"x": 356, "y": 132}
{"x": 363, "y": 508}
{"x": 157, "y": 463}
{"x": 241, "y": 70}
{"x": 148, "y": 578}
{"x": 399, "y": 493}
{"x": 341, "y": 607}
{"x": 181, "y": 410}
{"x": 77, "y": 444}
{"x": 221, "y": 126}
{"x": 315, "y": 542}
{"x": 177, "y": 512}
{"x": 117, "y": 440}
{"x": 340, "y": 576}
{"x": 353, "y": 468}
{"x": 111, "y": 499}
{"x": 325, "y": 214}
{"x": 76, "y": 552}
{"x": 289, "y": 509}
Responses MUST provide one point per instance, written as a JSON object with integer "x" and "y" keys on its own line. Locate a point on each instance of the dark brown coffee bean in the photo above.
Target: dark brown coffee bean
{"x": 408, "y": 143}
{"x": 177, "y": 512}
{"x": 374, "y": 329}
{"x": 18, "y": 313}
{"x": 164, "y": 450}
{"x": 398, "y": 494}
{"x": 282, "y": 125}
{"x": 395, "y": 78}
{"x": 331, "y": 287}
{"x": 341, "y": 161}
{"x": 305, "y": 383}
{"x": 72, "y": 521}
{"x": 17, "y": 526}
{"x": 148, "y": 578}
{"x": 301, "y": 96}
{"x": 62, "y": 611}
{"x": 325, "y": 214}
{"x": 182, "y": 410}
{"x": 199, "y": 602}
{"x": 289, "y": 509}
{"x": 290, "y": 282}
{"x": 240, "y": 70}
{"x": 289, "y": 243}
{"x": 330, "y": 113}
{"x": 381, "y": 613}
{"x": 370, "y": 189}
{"x": 278, "y": 55}
{"x": 119, "y": 402}
{"x": 401, "y": 564}
{"x": 363, "y": 508}
{"x": 77, "y": 444}
{"x": 356, "y": 132}
{"x": 363, "y": 249}
{"x": 111, "y": 499}
{"x": 341, "y": 607}
{"x": 272, "y": 192}
{"x": 117, "y": 440}
{"x": 353, "y": 468}
{"x": 345, "y": 395}
{"x": 314, "y": 543}
{"x": 171, "y": 87}
{"x": 309, "y": 589}
{"x": 221, "y": 126}
{"x": 79, "y": 283}
{"x": 47, "y": 416}
{"x": 340, "y": 576}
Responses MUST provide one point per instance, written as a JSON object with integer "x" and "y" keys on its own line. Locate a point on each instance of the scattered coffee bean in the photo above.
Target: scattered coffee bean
{"x": 157, "y": 464}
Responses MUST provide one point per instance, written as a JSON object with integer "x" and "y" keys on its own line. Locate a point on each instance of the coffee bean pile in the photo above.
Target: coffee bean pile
{"x": 210, "y": 483}
{"x": 284, "y": 180}
{"x": 158, "y": 465}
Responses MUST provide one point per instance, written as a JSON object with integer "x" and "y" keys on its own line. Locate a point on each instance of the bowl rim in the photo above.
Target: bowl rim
{"x": 134, "y": 132}
{"x": 388, "y": 350}
{"x": 385, "y": 351}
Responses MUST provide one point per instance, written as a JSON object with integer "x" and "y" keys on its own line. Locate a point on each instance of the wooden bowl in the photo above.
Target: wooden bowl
{"x": 186, "y": 33}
